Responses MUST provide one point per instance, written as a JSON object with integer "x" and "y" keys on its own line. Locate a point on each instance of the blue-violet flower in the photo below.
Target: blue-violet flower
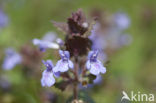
{"x": 3, "y": 19}
{"x": 46, "y": 42}
{"x": 64, "y": 64}
{"x": 94, "y": 65}
{"x": 47, "y": 75}
{"x": 122, "y": 20}
{"x": 12, "y": 58}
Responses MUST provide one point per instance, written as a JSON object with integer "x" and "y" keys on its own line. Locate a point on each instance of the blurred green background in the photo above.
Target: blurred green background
{"x": 132, "y": 68}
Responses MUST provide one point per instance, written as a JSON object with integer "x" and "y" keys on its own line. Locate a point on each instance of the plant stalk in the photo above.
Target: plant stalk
{"x": 76, "y": 80}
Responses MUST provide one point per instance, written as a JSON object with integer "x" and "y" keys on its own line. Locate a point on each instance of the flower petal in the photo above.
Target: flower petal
{"x": 3, "y": 19}
{"x": 60, "y": 41}
{"x": 47, "y": 79}
{"x": 50, "y": 62}
{"x": 61, "y": 66}
{"x": 67, "y": 54}
{"x": 101, "y": 67}
{"x": 60, "y": 52}
{"x": 90, "y": 54}
{"x": 88, "y": 65}
{"x": 103, "y": 70}
{"x": 71, "y": 65}
{"x": 52, "y": 45}
{"x": 11, "y": 60}
{"x": 56, "y": 74}
{"x": 122, "y": 20}
{"x": 50, "y": 36}
{"x": 36, "y": 41}
{"x": 94, "y": 70}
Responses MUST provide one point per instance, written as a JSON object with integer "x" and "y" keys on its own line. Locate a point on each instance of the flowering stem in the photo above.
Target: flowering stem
{"x": 75, "y": 91}
{"x": 75, "y": 85}
{"x": 83, "y": 71}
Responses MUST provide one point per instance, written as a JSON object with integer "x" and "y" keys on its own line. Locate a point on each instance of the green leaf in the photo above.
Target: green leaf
{"x": 91, "y": 78}
{"x": 62, "y": 85}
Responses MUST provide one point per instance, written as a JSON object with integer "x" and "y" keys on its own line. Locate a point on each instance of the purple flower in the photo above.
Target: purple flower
{"x": 50, "y": 36}
{"x": 46, "y": 42}
{"x": 3, "y": 19}
{"x": 97, "y": 37}
{"x": 125, "y": 39}
{"x": 47, "y": 79}
{"x": 60, "y": 41}
{"x": 47, "y": 75}
{"x": 94, "y": 65}
{"x": 11, "y": 60}
{"x": 122, "y": 20}
{"x": 4, "y": 82}
{"x": 64, "y": 64}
